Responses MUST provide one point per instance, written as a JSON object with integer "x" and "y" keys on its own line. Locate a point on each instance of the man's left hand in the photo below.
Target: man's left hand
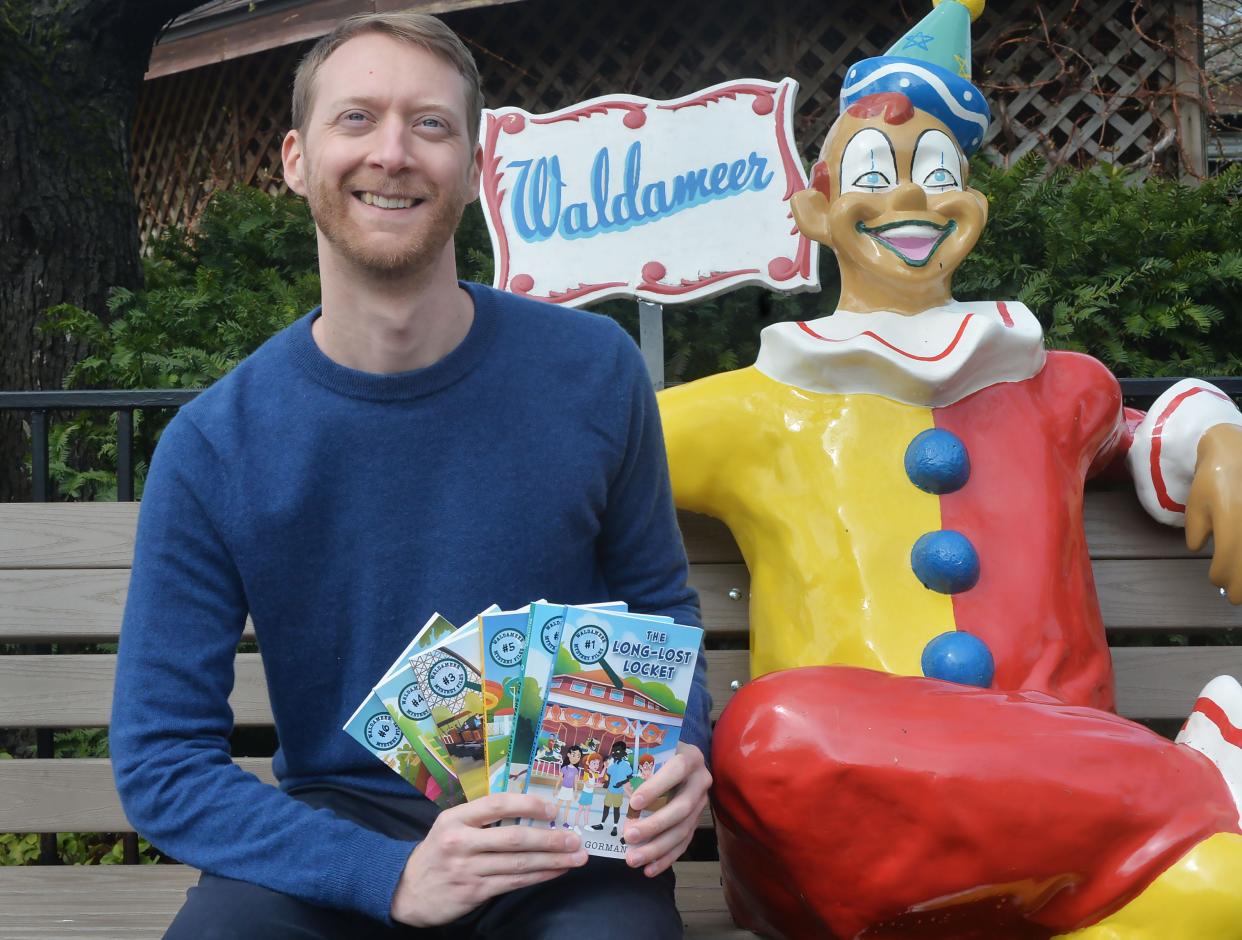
{"x": 657, "y": 841}
{"x": 1214, "y": 506}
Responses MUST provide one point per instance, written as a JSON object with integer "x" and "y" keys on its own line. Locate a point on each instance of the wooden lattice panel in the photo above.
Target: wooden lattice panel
{"x": 1081, "y": 81}
{"x": 197, "y": 131}
{"x": 1077, "y": 80}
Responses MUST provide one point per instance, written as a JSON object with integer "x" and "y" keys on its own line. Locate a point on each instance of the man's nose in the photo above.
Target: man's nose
{"x": 392, "y": 150}
{"x": 908, "y": 197}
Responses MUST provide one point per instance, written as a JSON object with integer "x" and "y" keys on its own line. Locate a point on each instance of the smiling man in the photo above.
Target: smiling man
{"x": 416, "y": 444}
{"x": 929, "y": 748}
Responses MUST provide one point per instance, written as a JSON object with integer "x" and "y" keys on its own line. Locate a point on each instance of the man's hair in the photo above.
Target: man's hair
{"x": 417, "y": 29}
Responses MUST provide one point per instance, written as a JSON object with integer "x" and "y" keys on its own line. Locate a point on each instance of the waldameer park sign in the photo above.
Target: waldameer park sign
{"x": 663, "y": 201}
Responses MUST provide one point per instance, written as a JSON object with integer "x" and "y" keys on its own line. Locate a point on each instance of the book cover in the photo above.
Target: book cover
{"x": 614, "y": 708}
{"x": 372, "y": 726}
{"x": 449, "y": 676}
{"x": 544, "y": 633}
{"x": 405, "y": 704}
{"x": 502, "y": 642}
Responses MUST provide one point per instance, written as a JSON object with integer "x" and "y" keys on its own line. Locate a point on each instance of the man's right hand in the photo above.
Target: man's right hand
{"x": 461, "y": 864}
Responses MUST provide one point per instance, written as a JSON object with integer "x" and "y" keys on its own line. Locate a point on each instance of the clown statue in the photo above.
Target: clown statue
{"x": 931, "y": 748}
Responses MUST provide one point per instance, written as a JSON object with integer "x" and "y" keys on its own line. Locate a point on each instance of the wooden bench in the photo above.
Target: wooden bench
{"x": 63, "y": 575}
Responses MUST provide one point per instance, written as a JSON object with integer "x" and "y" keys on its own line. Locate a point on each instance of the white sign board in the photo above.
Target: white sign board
{"x": 664, "y": 201}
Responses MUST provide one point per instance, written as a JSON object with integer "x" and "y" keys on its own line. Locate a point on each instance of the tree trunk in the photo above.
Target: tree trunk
{"x": 70, "y": 73}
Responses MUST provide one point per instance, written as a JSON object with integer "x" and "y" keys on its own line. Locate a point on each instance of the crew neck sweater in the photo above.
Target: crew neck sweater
{"x": 339, "y": 509}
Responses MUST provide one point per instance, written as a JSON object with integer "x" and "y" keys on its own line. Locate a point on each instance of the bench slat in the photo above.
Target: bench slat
{"x": 74, "y": 795}
{"x": 78, "y": 795}
{"x": 76, "y": 691}
{"x": 1170, "y": 595}
{"x": 65, "y": 605}
{"x": 67, "y": 535}
{"x": 101, "y": 535}
{"x": 103, "y": 902}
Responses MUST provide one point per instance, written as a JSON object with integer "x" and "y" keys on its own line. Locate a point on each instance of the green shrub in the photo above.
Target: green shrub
{"x": 1147, "y": 277}
{"x": 211, "y": 298}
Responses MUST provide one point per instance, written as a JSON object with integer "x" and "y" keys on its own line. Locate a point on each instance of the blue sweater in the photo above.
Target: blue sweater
{"x": 339, "y": 510}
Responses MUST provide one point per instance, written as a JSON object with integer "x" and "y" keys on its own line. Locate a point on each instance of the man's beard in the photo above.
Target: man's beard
{"x": 440, "y": 214}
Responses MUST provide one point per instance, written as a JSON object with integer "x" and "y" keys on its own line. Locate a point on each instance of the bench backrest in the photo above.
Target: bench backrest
{"x": 64, "y": 568}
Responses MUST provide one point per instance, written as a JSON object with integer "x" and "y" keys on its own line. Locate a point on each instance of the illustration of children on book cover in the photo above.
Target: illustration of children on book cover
{"x": 614, "y": 710}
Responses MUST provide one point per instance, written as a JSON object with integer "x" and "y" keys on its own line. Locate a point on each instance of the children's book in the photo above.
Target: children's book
{"x": 502, "y": 648}
{"x": 449, "y": 676}
{"x": 372, "y": 726}
{"x": 406, "y": 705}
{"x": 613, "y": 711}
{"x": 544, "y": 631}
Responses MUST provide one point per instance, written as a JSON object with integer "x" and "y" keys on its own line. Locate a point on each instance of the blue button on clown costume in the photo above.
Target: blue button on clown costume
{"x": 930, "y": 749}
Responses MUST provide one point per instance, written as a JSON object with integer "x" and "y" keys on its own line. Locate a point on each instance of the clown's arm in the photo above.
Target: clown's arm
{"x": 1186, "y": 461}
{"x": 705, "y": 430}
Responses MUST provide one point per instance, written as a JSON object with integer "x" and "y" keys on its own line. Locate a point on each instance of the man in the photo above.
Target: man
{"x": 619, "y": 772}
{"x": 415, "y": 444}
{"x": 905, "y": 479}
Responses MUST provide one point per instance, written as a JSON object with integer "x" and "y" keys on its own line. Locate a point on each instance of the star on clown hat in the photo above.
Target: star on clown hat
{"x": 930, "y": 65}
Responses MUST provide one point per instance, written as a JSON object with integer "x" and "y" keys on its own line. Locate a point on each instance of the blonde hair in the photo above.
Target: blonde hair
{"x": 417, "y": 29}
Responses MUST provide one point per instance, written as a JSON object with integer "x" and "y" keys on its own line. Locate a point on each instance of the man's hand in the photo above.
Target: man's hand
{"x": 461, "y": 864}
{"x": 657, "y": 841}
{"x": 1214, "y": 506}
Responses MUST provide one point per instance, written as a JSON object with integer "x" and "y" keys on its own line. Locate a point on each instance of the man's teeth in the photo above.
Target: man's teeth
{"x": 384, "y": 202}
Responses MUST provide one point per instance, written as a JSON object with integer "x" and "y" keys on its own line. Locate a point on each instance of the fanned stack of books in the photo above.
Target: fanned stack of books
{"x": 579, "y": 705}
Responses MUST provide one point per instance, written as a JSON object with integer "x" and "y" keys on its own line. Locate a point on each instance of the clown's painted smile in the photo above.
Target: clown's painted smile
{"x": 912, "y": 242}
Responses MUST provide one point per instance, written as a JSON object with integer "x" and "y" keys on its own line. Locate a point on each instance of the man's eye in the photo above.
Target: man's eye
{"x": 432, "y": 122}
{"x": 353, "y": 117}
{"x": 872, "y": 180}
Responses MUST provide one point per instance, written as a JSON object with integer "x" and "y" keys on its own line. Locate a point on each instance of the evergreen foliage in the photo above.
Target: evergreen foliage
{"x": 1148, "y": 278}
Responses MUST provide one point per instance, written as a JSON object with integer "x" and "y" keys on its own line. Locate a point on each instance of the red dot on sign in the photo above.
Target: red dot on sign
{"x": 635, "y": 119}
{"x": 514, "y": 123}
{"x": 522, "y": 284}
{"x": 763, "y": 104}
{"x": 781, "y": 269}
{"x": 654, "y": 271}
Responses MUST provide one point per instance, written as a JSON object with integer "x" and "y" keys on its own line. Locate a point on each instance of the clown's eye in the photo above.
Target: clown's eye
{"x": 867, "y": 163}
{"x": 938, "y": 165}
{"x": 873, "y": 181}
{"x": 940, "y": 178}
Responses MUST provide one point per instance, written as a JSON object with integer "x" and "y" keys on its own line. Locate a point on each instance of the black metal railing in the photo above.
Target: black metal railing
{"x": 41, "y": 405}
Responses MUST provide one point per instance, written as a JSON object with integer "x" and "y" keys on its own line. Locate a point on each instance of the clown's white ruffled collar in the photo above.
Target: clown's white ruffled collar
{"x": 930, "y": 359}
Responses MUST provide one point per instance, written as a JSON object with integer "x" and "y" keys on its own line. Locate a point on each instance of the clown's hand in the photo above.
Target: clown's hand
{"x": 657, "y": 841}
{"x": 1214, "y": 506}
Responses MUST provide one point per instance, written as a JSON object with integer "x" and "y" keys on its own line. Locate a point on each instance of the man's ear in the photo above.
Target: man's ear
{"x": 291, "y": 157}
{"x": 476, "y": 173}
{"x": 810, "y": 212}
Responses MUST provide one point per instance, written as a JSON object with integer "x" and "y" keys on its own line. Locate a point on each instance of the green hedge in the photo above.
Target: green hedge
{"x": 1148, "y": 277}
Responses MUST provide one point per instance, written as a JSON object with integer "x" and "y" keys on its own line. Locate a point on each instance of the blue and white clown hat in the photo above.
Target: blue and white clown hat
{"x": 930, "y": 65}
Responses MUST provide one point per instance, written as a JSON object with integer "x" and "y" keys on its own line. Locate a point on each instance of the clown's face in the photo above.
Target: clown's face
{"x": 893, "y": 204}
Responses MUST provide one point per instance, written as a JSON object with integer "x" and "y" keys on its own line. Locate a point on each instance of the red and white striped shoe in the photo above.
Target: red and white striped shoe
{"x": 1214, "y": 728}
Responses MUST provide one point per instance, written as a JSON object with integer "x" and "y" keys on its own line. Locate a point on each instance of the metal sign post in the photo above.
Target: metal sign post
{"x": 651, "y": 340}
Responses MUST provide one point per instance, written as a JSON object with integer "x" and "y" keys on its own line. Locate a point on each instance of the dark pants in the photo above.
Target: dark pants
{"x": 606, "y": 899}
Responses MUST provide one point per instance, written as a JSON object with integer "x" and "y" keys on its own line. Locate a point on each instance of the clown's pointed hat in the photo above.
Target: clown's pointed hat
{"x": 930, "y": 65}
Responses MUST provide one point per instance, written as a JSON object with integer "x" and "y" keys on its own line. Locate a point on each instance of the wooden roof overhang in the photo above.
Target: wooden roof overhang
{"x": 228, "y": 29}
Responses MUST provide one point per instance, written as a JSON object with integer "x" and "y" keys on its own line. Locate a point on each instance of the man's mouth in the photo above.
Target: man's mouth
{"x": 381, "y": 201}
{"x": 912, "y": 242}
